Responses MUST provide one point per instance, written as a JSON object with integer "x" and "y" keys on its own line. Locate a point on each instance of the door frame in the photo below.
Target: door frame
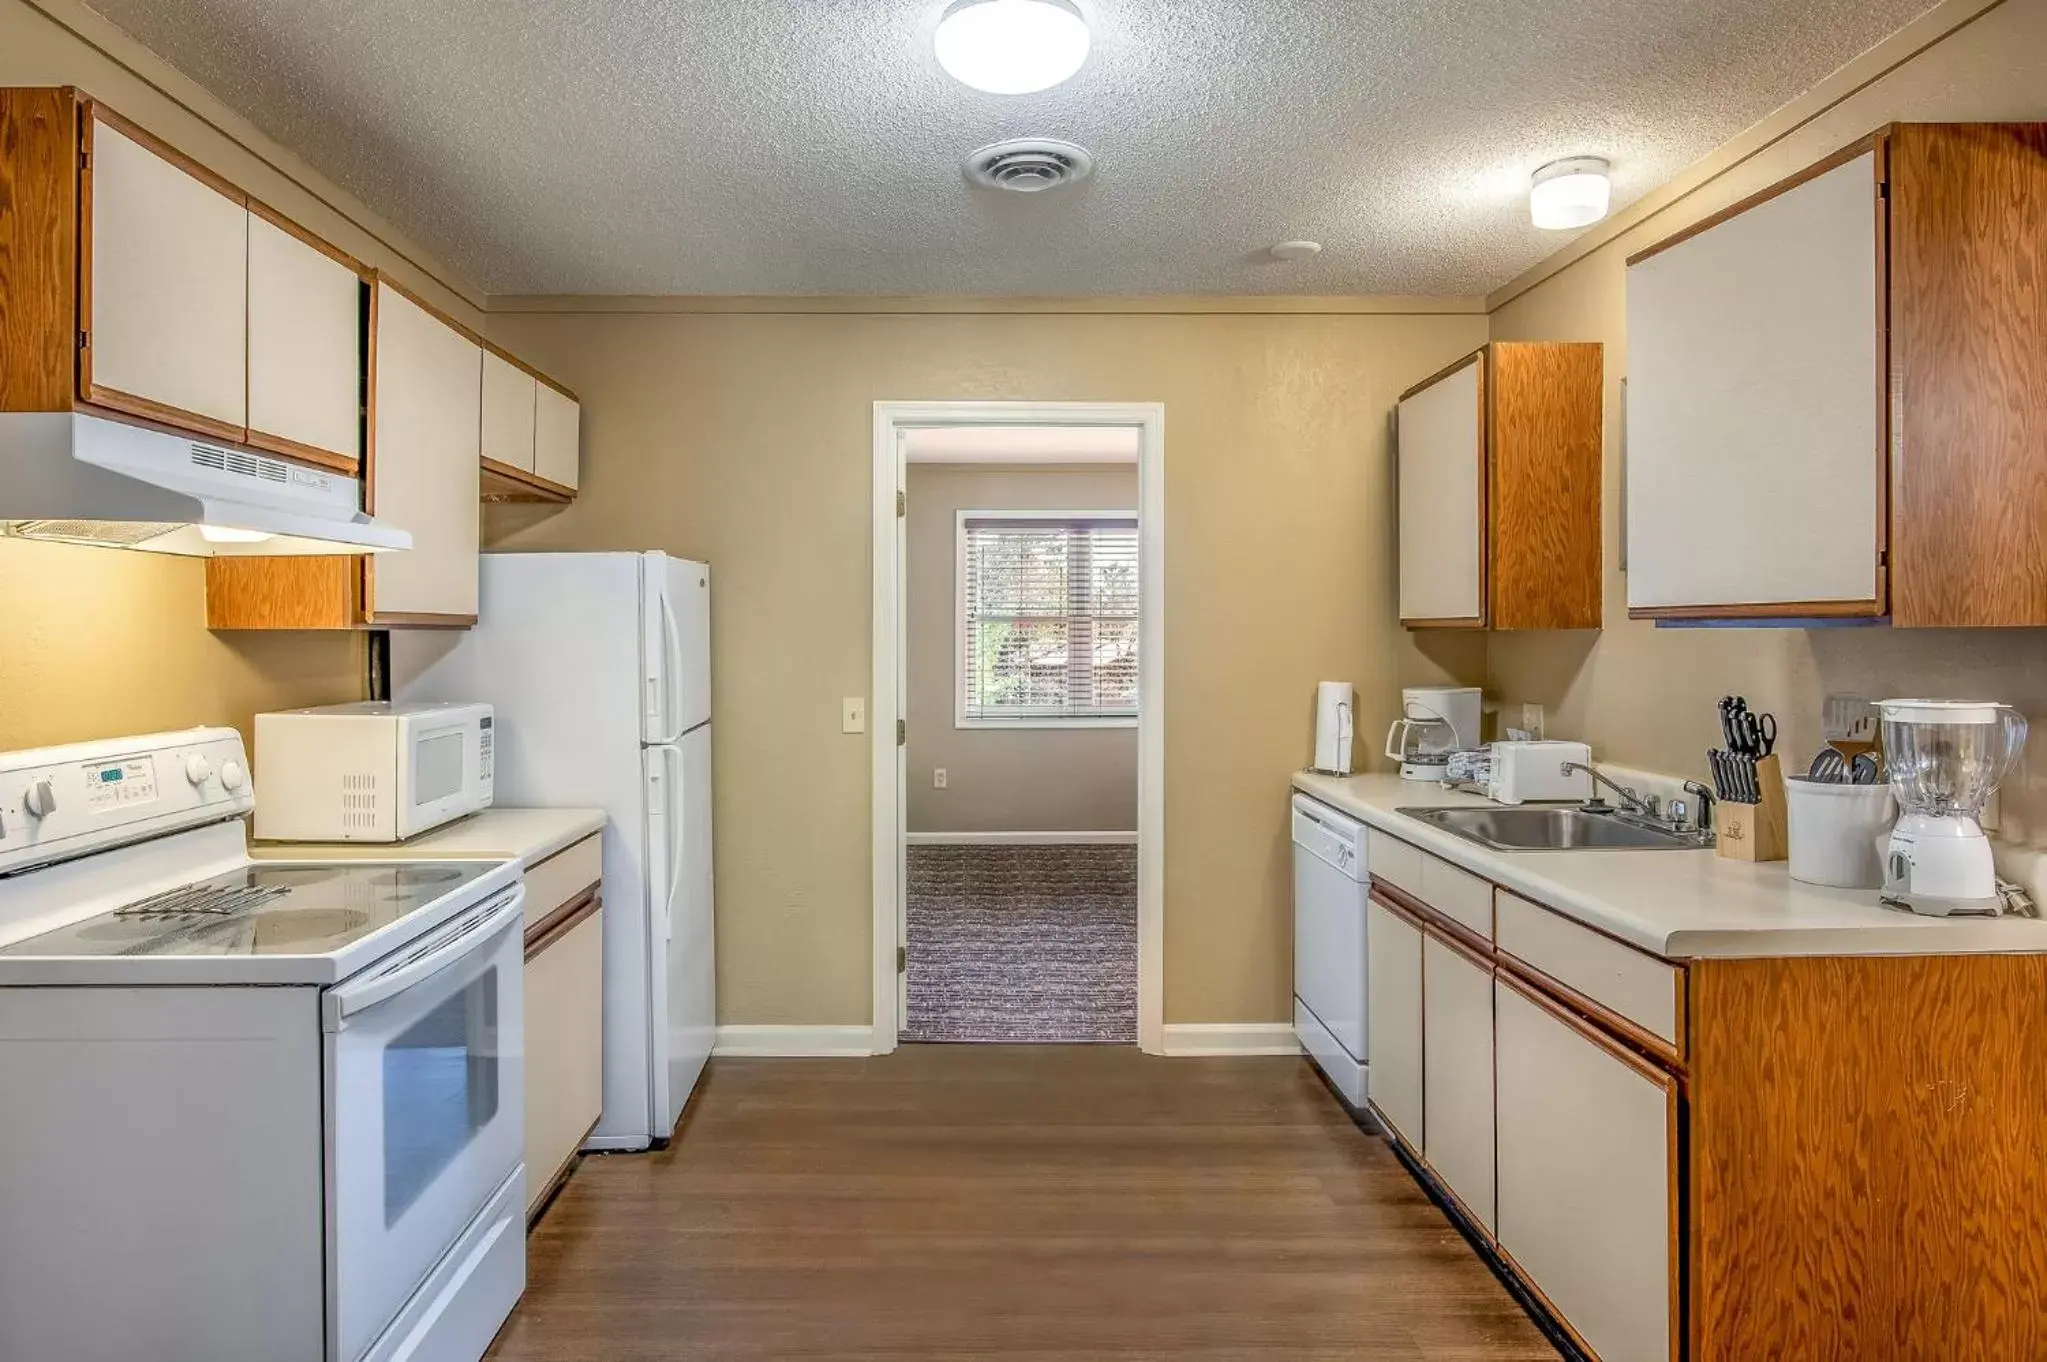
{"x": 891, "y": 420}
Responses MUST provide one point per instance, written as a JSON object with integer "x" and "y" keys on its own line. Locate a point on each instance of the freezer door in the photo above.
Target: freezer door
{"x": 677, "y": 648}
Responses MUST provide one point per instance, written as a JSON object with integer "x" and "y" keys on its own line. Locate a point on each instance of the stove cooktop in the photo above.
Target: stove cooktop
{"x": 260, "y": 910}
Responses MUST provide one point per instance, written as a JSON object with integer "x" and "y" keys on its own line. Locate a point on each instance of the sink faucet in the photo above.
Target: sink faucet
{"x": 1631, "y": 802}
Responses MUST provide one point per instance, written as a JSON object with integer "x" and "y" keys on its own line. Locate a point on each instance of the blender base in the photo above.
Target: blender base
{"x": 1927, "y": 906}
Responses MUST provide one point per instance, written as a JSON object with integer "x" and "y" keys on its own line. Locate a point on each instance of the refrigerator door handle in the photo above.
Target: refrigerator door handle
{"x": 676, "y": 834}
{"x": 670, "y": 700}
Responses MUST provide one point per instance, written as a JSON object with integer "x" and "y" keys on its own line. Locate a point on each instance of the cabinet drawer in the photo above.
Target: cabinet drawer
{"x": 1394, "y": 861}
{"x": 554, "y": 882}
{"x": 564, "y": 1051}
{"x": 1636, "y": 986}
{"x": 1456, "y": 893}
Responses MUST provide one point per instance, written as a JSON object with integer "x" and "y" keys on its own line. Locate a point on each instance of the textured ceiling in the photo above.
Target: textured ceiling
{"x": 813, "y": 146}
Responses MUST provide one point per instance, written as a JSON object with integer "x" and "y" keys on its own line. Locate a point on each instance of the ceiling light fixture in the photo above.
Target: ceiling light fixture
{"x": 1573, "y": 192}
{"x": 1011, "y": 47}
{"x": 1291, "y": 251}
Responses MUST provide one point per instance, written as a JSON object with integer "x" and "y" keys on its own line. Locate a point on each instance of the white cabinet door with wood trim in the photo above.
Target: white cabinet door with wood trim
{"x": 1393, "y": 1020}
{"x": 558, "y": 436}
{"x": 564, "y": 1050}
{"x": 169, "y": 300}
{"x": 1587, "y": 1178}
{"x": 427, "y": 464}
{"x": 1457, "y": 1073}
{"x": 1442, "y": 498}
{"x": 1755, "y": 467}
{"x": 305, "y": 346}
{"x": 508, "y": 412}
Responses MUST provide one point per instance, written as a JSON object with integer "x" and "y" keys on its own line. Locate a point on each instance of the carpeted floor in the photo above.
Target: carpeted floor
{"x": 1022, "y": 943}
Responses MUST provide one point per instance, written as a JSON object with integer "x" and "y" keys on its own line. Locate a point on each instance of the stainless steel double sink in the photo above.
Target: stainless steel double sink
{"x": 1568, "y": 828}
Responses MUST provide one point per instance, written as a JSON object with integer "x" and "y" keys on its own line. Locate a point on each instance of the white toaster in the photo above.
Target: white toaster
{"x": 1530, "y": 772}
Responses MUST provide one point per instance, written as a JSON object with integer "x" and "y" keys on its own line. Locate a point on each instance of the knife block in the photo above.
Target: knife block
{"x": 1755, "y": 832}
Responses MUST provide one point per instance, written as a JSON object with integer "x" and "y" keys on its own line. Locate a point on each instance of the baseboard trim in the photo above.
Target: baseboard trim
{"x": 1002, "y": 839}
{"x": 794, "y": 1042}
{"x": 1231, "y": 1038}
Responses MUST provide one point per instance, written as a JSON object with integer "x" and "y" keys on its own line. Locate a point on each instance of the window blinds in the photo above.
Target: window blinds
{"x": 1048, "y": 627}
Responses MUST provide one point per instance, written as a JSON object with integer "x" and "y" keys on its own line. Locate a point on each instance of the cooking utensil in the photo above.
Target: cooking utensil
{"x": 1865, "y": 769}
{"x": 1748, "y": 733}
{"x": 1828, "y": 766}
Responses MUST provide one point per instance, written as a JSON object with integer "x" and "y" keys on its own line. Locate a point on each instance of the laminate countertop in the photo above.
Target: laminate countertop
{"x": 528, "y": 836}
{"x": 1677, "y": 904}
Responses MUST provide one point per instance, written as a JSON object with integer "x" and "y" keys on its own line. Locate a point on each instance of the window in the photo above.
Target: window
{"x": 1048, "y": 618}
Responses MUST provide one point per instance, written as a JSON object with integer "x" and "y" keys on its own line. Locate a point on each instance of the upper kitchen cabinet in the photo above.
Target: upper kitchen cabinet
{"x": 135, "y": 281}
{"x": 306, "y": 389}
{"x": 1499, "y": 490}
{"x": 424, "y": 470}
{"x": 530, "y": 436}
{"x": 1837, "y": 391}
{"x": 163, "y": 303}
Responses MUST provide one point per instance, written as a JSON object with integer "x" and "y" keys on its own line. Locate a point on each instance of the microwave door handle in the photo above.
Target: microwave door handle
{"x": 466, "y": 938}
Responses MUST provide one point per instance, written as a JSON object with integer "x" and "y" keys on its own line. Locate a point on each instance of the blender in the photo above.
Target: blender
{"x": 1946, "y": 758}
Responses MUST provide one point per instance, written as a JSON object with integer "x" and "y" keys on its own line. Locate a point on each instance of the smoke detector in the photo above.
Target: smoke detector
{"x": 1029, "y": 165}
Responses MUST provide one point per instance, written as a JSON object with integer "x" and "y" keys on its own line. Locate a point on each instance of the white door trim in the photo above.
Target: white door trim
{"x": 886, "y": 705}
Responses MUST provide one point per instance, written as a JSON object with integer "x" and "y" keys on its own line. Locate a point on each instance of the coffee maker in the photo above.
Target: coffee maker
{"x": 1434, "y": 722}
{"x": 1945, "y": 759}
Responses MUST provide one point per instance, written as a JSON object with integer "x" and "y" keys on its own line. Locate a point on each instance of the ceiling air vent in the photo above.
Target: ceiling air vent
{"x": 1028, "y": 165}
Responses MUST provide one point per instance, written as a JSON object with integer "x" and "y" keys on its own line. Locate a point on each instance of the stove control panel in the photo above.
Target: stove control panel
{"x": 61, "y": 802}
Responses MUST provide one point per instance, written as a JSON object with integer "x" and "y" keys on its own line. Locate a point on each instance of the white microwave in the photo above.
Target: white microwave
{"x": 370, "y": 772}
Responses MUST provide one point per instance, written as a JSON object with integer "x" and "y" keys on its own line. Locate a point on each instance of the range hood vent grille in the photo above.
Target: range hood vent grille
{"x": 240, "y": 463}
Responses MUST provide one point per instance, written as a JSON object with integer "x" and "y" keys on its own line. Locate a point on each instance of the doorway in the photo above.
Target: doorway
{"x": 1018, "y": 798}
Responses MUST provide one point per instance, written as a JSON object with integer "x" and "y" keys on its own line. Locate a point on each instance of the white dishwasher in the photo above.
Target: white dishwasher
{"x": 1331, "y": 886}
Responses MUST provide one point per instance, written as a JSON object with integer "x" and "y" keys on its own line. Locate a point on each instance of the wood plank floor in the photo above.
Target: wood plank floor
{"x": 968, "y": 1201}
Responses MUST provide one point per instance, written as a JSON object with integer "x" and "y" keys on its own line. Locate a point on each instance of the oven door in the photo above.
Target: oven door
{"x": 425, "y": 1074}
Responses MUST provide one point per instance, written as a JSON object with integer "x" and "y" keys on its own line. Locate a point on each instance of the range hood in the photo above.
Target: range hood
{"x": 82, "y": 479}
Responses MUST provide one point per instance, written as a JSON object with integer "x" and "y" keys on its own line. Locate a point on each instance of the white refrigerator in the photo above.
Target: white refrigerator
{"x": 599, "y": 668}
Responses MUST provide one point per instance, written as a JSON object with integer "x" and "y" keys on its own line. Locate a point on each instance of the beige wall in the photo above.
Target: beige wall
{"x": 1000, "y": 780}
{"x": 101, "y": 642}
{"x": 98, "y": 643}
{"x": 1644, "y": 696}
{"x": 745, "y": 439}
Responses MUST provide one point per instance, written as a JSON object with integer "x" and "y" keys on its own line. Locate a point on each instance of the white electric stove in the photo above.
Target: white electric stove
{"x": 265, "y": 1110}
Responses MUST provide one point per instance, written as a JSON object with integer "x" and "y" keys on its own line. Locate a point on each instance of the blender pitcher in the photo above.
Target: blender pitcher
{"x": 1945, "y": 759}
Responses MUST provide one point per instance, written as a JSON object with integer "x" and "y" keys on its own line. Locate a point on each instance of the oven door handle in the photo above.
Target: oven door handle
{"x": 450, "y": 946}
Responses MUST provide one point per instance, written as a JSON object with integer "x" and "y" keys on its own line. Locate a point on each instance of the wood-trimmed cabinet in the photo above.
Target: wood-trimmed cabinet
{"x": 137, "y": 282}
{"x": 532, "y": 432}
{"x": 1837, "y": 391}
{"x": 1704, "y": 1159}
{"x": 424, "y": 475}
{"x": 1498, "y": 468}
{"x": 564, "y": 1013}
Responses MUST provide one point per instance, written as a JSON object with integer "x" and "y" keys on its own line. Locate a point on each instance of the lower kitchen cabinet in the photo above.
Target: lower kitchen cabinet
{"x": 1588, "y": 1178}
{"x": 1393, "y": 1019}
{"x": 564, "y": 1050}
{"x": 1457, "y": 1071}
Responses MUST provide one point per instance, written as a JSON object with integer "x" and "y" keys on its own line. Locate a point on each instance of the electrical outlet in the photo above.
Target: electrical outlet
{"x": 853, "y": 714}
{"x": 1991, "y": 808}
{"x": 1531, "y": 720}
{"x": 938, "y": 777}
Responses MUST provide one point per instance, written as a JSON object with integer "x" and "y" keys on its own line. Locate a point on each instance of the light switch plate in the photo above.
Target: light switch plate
{"x": 853, "y": 714}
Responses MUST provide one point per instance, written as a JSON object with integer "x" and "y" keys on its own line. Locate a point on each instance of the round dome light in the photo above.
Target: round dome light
{"x": 1573, "y": 192}
{"x": 1012, "y": 47}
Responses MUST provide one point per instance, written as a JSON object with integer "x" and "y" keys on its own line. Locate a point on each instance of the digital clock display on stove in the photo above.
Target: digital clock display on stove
{"x": 112, "y": 784}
